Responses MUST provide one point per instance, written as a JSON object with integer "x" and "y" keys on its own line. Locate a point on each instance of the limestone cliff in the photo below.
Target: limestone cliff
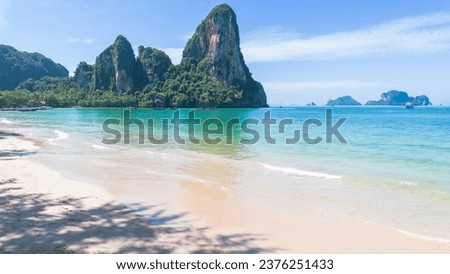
{"x": 215, "y": 48}
{"x": 115, "y": 67}
{"x": 83, "y": 75}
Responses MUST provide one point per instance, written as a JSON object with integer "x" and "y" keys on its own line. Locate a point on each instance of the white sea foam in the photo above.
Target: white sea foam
{"x": 60, "y": 135}
{"x": 162, "y": 153}
{"x": 6, "y": 122}
{"x": 168, "y": 154}
{"x": 177, "y": 176}
{"x": 407, "y": 183}
{"x": 300, "y": 172}
{"x": 402, "y": 231}
{"x": 422, "y": 237}
{"x": 100, "y": 147}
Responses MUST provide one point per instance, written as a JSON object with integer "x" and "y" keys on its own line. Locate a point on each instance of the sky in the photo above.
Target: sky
{"x": 302, "y": 51}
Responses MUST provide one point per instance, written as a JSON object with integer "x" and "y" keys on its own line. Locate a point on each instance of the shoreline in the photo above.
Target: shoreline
{"x": 43, "y": 212}
{"x": 48, "y": 213}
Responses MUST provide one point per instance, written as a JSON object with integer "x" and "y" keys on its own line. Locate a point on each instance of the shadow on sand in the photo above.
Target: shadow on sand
{"x": 7, "y": 154}
{"x": 15, "y": 153}
{"x": 8, "y": 134}
{"x": 34, "y": 223}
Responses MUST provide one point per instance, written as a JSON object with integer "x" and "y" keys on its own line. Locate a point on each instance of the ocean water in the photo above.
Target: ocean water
{"x": 393, "y": 170}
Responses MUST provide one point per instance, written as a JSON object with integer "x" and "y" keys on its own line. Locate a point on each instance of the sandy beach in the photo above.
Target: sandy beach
{"x": 43, "y": 212}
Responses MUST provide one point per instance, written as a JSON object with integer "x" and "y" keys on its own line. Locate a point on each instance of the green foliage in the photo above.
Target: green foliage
{"x": 189, "y": 86}
{"x": 48, "y": 83}
{"x": 185, "y": 86}
{"x": 101, "y": 98}
{"x": 62, "y": 92}
{"x": 153, "y": 64}
{"x": 17, "y": 66}
{"x": 66, "y": 98}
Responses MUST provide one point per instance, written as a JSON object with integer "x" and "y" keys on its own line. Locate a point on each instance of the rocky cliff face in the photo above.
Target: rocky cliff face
{"x": 83, "y": 76}
{"x": 18, "y": 66}
{"x": 215, "y": 48}
{"x": 115, "y": 67}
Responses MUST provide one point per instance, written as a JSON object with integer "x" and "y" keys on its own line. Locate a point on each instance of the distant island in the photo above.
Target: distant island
{"x": 343, "y": 101}
{"x": 399, "y": 98}
{"x": 212, "y": 73}
{"x": 390, "y": 98}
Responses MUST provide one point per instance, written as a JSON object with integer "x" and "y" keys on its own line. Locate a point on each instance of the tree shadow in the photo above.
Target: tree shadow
{"x": 36, "y": 223}
{"x": 15, "y": 153}
{"x": 3, "y": 134}
{"x": 10, "y": 154}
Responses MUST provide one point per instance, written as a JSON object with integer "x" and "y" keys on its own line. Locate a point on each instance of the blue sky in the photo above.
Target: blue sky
{"x": 302, "y": 51}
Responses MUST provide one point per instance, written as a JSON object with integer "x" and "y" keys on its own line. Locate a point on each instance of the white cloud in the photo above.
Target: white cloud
{"x": 415, "y": 35}
{"x": 175, "y": 54}
{"x": 318, "y": 85}
{"x": 3, "y": 6}
{"x": 88, "y": 41}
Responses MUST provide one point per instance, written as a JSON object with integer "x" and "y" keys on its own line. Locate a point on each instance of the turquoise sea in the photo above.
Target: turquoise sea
{"x": 394, "y": 169}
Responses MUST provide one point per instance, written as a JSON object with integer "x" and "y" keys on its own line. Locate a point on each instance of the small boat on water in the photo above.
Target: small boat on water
{"x": 409, "y": 106}
{"x": 8, "y": 109}
{"x": 159, "y": 108}
{"x": 27, "y": 109}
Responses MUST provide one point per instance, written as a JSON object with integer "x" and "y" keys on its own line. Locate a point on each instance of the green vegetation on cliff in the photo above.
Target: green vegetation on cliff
{"x": 18, "y": 66}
